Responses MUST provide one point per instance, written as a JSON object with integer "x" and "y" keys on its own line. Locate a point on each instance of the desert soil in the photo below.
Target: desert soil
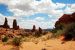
{"x": 52, "y": 44}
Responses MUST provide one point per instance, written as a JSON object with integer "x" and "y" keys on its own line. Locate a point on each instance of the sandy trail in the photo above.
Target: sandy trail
{"x": 5, "y": 47}
{"x": 52, "y": 44}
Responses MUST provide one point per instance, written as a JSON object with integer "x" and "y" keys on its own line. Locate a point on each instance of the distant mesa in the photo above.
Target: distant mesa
{"x": 40, "y": 30}
{"x": 15, "y": 24}
{"x": 5, "y": 25}
{"x": 34, "y": 28}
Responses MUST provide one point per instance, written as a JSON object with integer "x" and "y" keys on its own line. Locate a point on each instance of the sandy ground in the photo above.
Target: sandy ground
{"x": 52, "y": 44}
{"x": 5, "y": 47}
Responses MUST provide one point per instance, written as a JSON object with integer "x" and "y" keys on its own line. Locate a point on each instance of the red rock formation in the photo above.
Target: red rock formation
{"x": 73, "y": 16}
{"x": 66, "y": 19}
{"x": 5, "y": 25}
{"x": 34, "y": 28}
{"x": 15, "y": 24}
{"x": 40, "y": 30}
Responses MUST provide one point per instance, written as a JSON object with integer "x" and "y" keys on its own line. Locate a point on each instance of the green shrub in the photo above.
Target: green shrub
{"x": 17, "y": 41}
{"x": 5, "y": 39}
{"x": 54, "y": 30}
{"x": 70, "y": 30}
{"x": 57, "y": 33}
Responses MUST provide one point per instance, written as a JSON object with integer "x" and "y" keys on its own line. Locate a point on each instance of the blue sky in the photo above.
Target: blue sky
{"x": 5, "y": 10}
{"x": 64, "y": 1}
{"x": 42, "y": 13}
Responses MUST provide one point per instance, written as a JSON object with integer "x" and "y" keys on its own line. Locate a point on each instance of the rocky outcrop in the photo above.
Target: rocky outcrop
{"x": 34, "y": 28}
{"x": 40, "y": 30}
{"x": 15, "y": 24}
{"x": 66, "y": 19}
{"x": 5, "y": 25}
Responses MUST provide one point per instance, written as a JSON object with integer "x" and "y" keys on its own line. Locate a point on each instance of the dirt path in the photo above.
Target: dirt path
{"x": 52, "y": 44}
{"x": 5, "y": 47}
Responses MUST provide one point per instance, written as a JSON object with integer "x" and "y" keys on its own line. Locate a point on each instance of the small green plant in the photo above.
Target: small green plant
{"x": 5, "y": 39}
{"x": 17, "y": 41}
{"x": 59, "y": 32}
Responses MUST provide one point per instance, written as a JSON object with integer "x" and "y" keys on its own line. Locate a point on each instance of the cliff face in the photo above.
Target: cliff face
{"x": 66, "y": 19}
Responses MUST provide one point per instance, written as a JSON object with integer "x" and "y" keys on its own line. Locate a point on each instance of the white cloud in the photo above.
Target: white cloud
{"x": 22, "y": 7}
{"x": 29, "y": 7}
{"x": 30, "y": 23}
{"x": 60, "y": 5}
{"x": 39, "y": 19}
